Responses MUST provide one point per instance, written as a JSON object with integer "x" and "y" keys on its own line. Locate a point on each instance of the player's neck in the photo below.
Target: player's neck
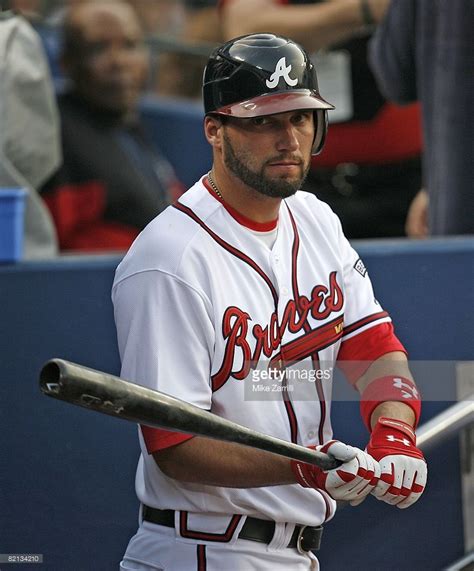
{"x": 244, "y": 199}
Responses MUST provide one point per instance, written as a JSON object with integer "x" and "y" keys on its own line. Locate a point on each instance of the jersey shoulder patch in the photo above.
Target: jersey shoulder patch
{"x": 360, "y": 267}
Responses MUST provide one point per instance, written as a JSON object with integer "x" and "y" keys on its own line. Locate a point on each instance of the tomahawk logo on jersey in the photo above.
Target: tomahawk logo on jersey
{"x": 297, "y": 303}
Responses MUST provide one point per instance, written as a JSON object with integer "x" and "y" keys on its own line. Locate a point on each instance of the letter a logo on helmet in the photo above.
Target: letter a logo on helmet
{"x": 281, "y": 70}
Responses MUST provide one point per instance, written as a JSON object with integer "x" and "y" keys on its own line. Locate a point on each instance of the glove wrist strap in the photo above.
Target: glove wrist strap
{"x": 399, "y": 425}
{"x": 300, "y": 476}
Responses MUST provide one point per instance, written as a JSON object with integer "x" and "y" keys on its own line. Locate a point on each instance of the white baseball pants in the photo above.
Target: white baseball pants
{"x": 157, "y": 548}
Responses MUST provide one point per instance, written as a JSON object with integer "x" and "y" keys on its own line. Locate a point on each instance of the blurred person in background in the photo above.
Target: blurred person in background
{"x": 113, "y": 181}
{"x": 30, "y": 149}
{"x": 370, "y": 169}
{"x": 55, "y": 10}
{"x": 179, "y": 72}
{"x": 161, "y": 21}
{"x": 423, "y": 50}
{"x": 29, "y": 9}
{"x": 159, "y": 16}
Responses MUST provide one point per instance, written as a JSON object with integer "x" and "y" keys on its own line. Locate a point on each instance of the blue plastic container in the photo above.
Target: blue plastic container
{"x": 12, "y": 208}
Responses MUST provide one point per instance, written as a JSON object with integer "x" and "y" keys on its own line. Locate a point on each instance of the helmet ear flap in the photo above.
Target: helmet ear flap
{"x": 320, "y": 131}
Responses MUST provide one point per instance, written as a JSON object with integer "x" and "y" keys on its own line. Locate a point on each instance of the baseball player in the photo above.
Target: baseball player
{"x": 241, "y": 298}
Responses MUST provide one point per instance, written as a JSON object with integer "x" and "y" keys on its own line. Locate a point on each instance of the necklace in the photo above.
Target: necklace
{"x": 214, "y": 186}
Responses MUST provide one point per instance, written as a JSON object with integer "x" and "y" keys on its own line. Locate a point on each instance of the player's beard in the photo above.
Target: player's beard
{"x": 274, "y": 187}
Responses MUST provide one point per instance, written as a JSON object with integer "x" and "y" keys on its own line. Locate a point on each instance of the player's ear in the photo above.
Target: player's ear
{"x": 213, "y": 130}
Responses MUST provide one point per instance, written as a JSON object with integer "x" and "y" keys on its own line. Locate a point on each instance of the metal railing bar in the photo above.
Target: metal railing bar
{"x": 446, "y": 423}
{"x": 464, "y": 564}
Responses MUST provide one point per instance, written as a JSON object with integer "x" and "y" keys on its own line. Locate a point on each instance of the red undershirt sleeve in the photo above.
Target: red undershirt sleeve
{"x": 157, "y": 439}
{"x": 358, "y": 352}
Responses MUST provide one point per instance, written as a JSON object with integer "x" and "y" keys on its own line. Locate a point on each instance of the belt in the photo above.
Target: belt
{"x": 304, "y": 538}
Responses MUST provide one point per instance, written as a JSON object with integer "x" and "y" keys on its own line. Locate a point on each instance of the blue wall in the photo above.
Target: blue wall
{"x": 176, "y": 127}
{"x": 67, "y": 475}
{"x": 428, "y": 287}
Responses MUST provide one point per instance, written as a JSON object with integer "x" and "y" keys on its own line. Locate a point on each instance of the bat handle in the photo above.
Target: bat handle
{"x": 309, "y": 455}
{"x": 334, "y": 463}
{"x": 327, "y": 462}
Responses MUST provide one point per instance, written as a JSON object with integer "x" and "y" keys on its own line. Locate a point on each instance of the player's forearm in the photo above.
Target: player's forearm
{"x": 315, "y": 26}
{"x": 211, "y": 462}
{"x": 392, "y": 364}
{"x": 395, "y": 410}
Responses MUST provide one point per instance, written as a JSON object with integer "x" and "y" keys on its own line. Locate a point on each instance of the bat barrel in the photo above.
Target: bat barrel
{"x": 85, "y": 387}
{"x": 113, "y": 396}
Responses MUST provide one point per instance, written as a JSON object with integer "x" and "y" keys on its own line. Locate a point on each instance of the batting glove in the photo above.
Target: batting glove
{"x": 352, "y": 481}
{"x": 404, "y": 471}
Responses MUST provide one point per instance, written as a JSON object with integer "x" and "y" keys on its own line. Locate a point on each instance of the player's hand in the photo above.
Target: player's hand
{"x": 352, "y": 481}
{"x": 403, "y": 467}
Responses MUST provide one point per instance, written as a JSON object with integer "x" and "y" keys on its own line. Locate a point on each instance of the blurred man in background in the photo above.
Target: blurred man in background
{"x": 113, "y": 181}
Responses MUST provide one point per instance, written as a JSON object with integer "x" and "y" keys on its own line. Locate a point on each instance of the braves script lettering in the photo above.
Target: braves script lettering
{"x": 235, "y": 328}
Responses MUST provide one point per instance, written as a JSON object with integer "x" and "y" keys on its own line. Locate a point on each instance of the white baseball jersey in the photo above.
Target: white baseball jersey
{"x": 209, "y": 313}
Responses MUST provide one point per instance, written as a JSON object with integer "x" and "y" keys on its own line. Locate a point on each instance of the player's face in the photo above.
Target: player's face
{"x": 110, "y": 62}
{"x": 270, "y": 154}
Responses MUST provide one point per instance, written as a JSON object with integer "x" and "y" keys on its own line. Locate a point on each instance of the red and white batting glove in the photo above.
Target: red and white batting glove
{"x": 404, "y": 471}
{"x": 352, "y": 481}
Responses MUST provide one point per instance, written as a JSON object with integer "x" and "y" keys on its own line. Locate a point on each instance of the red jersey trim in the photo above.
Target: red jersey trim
{"x": 240, "y": 218}
{"x": 307, "y": 328}
{"x": 311, "y": 342}
{"x": 157, "y": 439}
{"x": 218, "y": 537}
{"x": 364, "y": 321}
{"x": 300, "y": 346}
{"x": 201, "y": 557}
{"x": 358, "y": 353}
{"x": 234, "y": 251}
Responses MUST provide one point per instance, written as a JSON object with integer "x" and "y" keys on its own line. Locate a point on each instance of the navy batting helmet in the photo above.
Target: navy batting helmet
{"x": 263, "y": 74}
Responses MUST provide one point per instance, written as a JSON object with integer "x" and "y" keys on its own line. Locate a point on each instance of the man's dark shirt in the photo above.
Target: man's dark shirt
{"x": 112, "y": 182}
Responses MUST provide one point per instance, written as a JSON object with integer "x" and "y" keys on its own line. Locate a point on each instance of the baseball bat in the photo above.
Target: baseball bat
{"x": 111, "y": 395}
